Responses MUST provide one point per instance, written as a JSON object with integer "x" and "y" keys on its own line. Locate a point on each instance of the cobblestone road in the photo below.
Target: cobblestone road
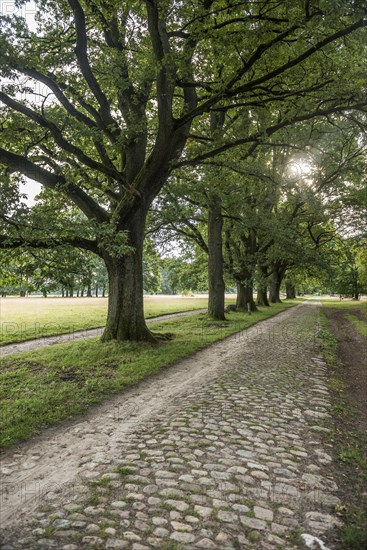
{"x": 242, "y": 463}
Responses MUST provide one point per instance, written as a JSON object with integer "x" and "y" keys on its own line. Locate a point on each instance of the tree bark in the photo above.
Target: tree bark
{"x": 262, "y": 296}
{"x": 290, "y": 290}
{"x": 89, "y": 291}
{"x": 125, "y": 318}
{"x": 215, "y": 260}
{"x": 275, "y": 283}
{"x": 245, "y": 297}
{"x": 96, "y": 291}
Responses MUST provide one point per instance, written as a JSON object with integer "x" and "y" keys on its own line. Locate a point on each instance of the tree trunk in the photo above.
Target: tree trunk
{"x": 125, "y": 318}
{"x": 89, "y": 291}
{"x": 44, "y": 293}
{"x": 275, "y": 283}
{"x": 262, "y": 296}
{"x": 71, "y": 293}
{"x": 103, "y": 291}
{"x": 82, "y": 292}
{"x": 22, "y": 293}
{"x": 245, "y": 297}
{"x": 63, "y": 293}
{"x": 77, "y": 292}
{"x": 96, "y": 291}
{"x": 290, "y": 290}
{"x": 67, "y": 293}
{"x": 215, "y": 260}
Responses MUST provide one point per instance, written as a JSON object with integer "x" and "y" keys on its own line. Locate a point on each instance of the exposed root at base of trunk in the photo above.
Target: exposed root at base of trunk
{"x": 163, "y": 336}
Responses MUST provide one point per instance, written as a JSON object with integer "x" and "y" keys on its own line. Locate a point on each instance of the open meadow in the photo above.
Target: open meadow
{"x": 27, "y": 318}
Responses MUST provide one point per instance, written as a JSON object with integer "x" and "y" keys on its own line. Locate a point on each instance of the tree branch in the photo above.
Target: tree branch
{"x": 58, "y": 137}
{"x": 18, "y": 163}
{"x": 7, "y": 243}
{"x": 82, "y": 56}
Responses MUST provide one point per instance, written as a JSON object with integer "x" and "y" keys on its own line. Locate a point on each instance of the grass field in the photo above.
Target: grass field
{"x": 28, "y": 318}
{"x": 47, "y": 386}
{"x": 345, "y": 304}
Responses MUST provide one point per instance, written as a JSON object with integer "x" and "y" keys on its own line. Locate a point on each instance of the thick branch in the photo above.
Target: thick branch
{"x": 7, "y": 243}
{"x": 81, "y": 52}
{"x": 57, "y": 135}
{"x": 18, "y": 163}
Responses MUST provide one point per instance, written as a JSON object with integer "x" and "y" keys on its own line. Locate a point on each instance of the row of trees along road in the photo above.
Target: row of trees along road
{"x": 281, "y": 216}
{"x": 104, "y": 103}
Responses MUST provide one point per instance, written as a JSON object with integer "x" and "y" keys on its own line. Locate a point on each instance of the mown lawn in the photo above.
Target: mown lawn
{"x": 44, "y": 387}
{"x": 345, "y": 304}
{"x": 28, "y": 318}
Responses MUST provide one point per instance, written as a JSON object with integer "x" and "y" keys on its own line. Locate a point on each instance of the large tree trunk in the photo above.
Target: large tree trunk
{"x": 275, "y": 282}
{"x": 125, "y": 318}
{"x": 215, "y": 260}
{"x": 262, "y": 296}
{"x": 245, "y": 297}
{"x": 290, "y": 290}
{"x": 89, "y": 291}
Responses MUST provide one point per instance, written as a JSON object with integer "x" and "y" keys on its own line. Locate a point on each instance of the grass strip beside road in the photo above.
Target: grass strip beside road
{"x": 49, "y": 385}
{"x": 29, "y": 318}
{"x": 345, "y": 304}
{"x": 350, "y": 445}
{"x": 361, "y": 326}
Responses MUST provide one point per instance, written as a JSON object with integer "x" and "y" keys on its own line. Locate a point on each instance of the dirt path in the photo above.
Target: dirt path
{"x": 223, "y": 450}
{"x": 352, "y": 349}
{"x": 31, "y": 345}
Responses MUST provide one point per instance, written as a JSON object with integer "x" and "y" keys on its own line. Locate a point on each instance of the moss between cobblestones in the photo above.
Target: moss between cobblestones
{"x": 46, "y": 386}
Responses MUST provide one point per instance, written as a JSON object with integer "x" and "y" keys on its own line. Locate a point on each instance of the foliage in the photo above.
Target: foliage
{"x": 102, "y": 102}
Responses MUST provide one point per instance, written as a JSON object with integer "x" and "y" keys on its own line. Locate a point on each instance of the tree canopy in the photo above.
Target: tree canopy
{"x": 103, "y": 102}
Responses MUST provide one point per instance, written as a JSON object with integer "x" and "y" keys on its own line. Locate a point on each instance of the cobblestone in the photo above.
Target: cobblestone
{"x": 243, "y": 459}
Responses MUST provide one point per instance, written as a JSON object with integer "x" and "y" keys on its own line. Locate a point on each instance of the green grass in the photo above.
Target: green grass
{"x": 28, "y": 318}
{"x": 345, "y": 304}
{"x": 46, "y": 386}
{"x": 360, "y": 325}
{"x": 350, "y": 445}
